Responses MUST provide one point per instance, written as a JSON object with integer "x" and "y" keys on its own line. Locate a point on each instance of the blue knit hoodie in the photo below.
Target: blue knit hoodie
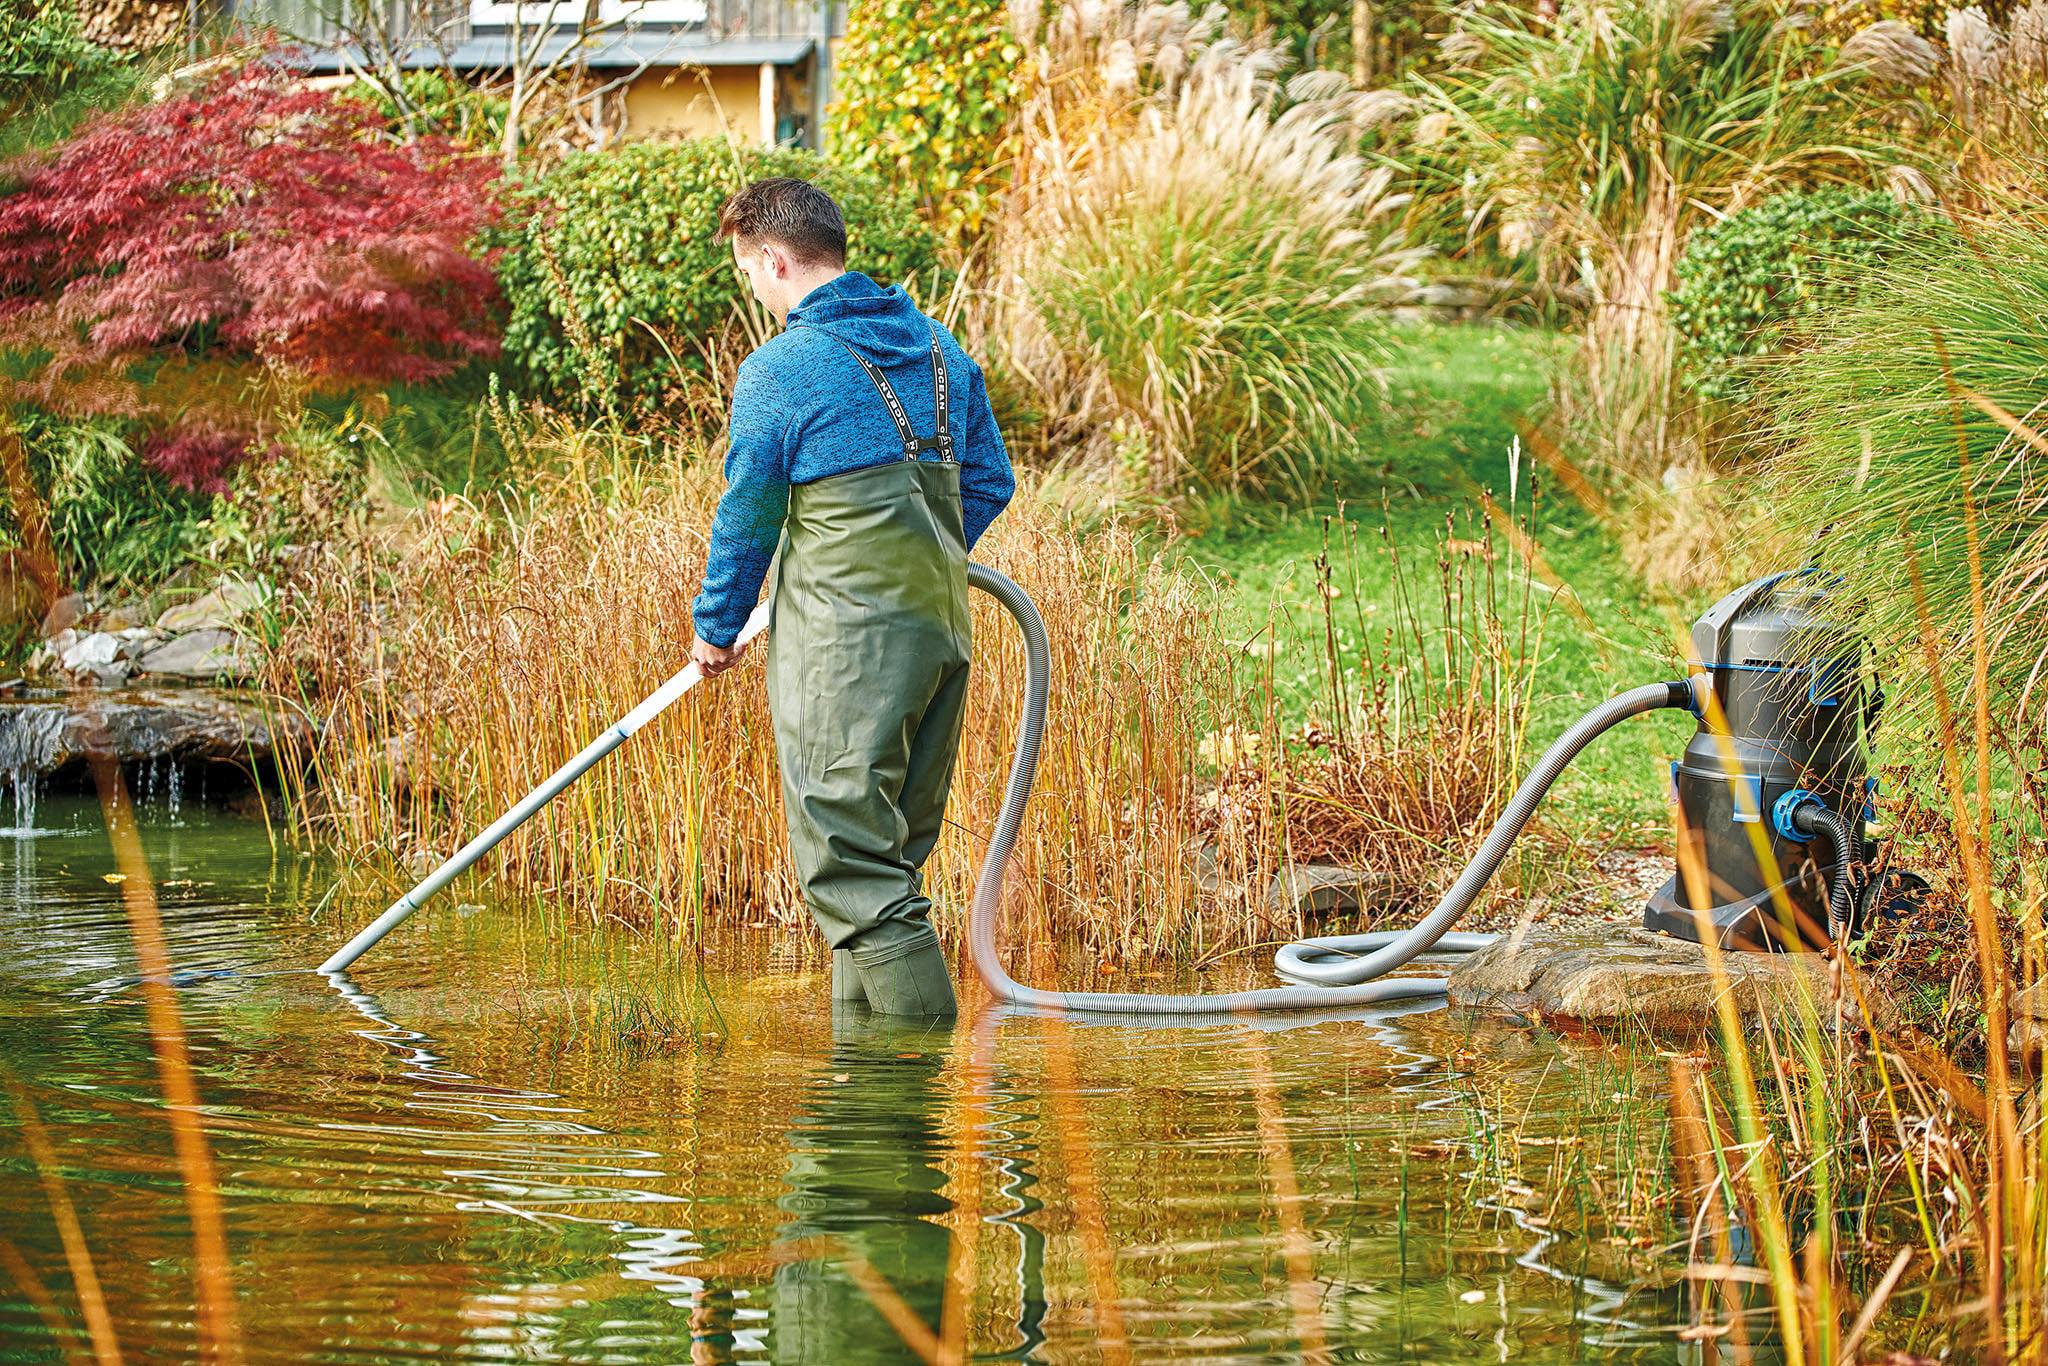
{"x": 803, "y": 409}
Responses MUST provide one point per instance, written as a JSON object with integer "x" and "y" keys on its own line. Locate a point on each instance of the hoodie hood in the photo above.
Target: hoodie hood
{"x": 882, "y": 324}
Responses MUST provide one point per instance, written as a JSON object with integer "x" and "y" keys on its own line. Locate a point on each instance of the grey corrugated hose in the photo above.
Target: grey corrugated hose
{"x": 1337, "y": 970}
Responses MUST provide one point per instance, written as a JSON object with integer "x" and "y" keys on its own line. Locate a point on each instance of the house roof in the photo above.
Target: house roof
{"x": 490, "y": 50}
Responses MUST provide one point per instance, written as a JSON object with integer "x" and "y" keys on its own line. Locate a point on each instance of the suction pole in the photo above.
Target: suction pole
{"x": 659, "y": 701}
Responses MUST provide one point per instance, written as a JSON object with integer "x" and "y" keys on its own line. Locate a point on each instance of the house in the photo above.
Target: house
{"x": 758, "y": 68}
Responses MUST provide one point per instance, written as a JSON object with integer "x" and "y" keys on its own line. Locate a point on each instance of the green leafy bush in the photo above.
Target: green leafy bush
{"x": 44, "y": 52}
{"x": 52, "y": 77}
{"x": 613, "y": 272}
{"x": 1753, "y": 283}
{"x": 927, "y": 94}
{"x": 112, "y": 518}
{"x": 439, "y": 102}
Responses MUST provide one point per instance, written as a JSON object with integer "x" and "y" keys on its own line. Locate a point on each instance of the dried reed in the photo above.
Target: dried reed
{"x": 452, "y": 671}
{"x": 452, "y": 668}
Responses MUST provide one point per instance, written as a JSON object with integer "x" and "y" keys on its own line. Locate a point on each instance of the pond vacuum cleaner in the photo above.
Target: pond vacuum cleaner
{"x": 1773, "y": 796}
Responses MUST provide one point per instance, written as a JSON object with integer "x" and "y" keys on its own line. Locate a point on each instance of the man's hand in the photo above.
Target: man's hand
{"x": 715, "y": 659}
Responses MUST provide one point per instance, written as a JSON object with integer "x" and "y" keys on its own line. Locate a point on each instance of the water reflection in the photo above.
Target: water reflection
{"x": 526, "y": 1147}
{"x": 511, "y": 1166}
{"x": 864, "y": 1238}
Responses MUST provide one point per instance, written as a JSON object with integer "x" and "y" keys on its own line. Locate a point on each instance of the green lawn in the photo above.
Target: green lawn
{"x": 1456, "y": 395}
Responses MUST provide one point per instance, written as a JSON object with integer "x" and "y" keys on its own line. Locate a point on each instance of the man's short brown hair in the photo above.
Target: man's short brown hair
{"x": 793, "y": 212}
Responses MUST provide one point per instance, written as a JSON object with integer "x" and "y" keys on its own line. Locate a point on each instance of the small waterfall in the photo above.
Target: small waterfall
{"x": 177, "y": 783}
{"x": 25, "y": 784}
{"x": 30, "y": 735}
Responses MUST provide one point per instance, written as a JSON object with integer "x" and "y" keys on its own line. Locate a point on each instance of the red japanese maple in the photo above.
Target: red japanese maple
{"x": 252, "y": 225}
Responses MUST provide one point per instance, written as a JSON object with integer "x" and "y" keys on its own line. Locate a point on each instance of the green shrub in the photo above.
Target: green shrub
{"x": 440, "y": 102}
{"x": 613, "y": 274}
{"x": 112, "y": 518}
{"x": 1753, "y": 283}
{"x": 927, "y": 94}
{"x": 44, "y": 52}
{"x": 52, "y": 77}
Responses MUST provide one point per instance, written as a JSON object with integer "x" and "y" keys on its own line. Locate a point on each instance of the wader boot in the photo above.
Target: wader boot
{"x": 867, "y": 680}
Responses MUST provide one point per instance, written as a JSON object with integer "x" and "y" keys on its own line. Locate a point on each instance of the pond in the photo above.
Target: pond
{"x": 501, "y": 1144}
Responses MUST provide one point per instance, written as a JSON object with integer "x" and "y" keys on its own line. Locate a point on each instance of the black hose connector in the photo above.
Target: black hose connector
{"x": 1812, "y": 817}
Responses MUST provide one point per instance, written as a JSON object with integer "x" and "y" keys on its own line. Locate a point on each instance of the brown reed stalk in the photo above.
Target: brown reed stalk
{"x": 1700, "y": 1187}
{"x": 2000, "y": 1126}
{"x": 976, "y": 1086}
{"x": 1297, "y": 1251}
{"x": 219, "y": 1339}
{"x": 915, "y": 1332}
{"x": 38, "y": 1294}
{"x": 502, "y": 642}
{"x": 1091, "y": 1222}
{"x": 1766, "y": 1202}
{"x": 92, "y": 1302}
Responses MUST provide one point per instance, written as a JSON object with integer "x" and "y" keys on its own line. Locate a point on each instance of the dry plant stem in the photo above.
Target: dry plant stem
{"x": 38, "y": 1294}
{"x": 916, "y": 1334}
{"x": 2006, "y": 1151}
{"x": 92, "y": 1302}
{"x": 976, "y": 1086}
{"x": 1701, "y": 1187}
{"x": 2000, "y": 1125}
{"x": 1297, "y": 1250}
{"x": 1091, "y": 1223}
{"x": 219, "y": 1340}
{"x": 1766, "y": 1199}
{"x": 447, "y": 679}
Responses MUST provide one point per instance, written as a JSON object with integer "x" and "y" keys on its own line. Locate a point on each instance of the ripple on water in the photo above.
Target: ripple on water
{"x": 479, "y": 1152}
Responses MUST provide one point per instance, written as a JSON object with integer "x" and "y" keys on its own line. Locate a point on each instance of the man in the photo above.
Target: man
{"x": 861, "y": 440}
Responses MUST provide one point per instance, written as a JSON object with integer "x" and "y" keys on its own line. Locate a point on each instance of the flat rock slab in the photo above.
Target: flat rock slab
{"x": 41, "y": 735}
{"x": 1625, "y": 974}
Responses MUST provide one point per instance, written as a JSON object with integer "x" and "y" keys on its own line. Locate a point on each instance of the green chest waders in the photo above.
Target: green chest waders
{"x": 867, "y": 680}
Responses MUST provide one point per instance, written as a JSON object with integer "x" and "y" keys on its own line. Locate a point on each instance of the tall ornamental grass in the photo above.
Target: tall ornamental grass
{"x": 1923, "y": 404}
{"x": 1595, "y": 141}
{"x": 1184, "y": 289}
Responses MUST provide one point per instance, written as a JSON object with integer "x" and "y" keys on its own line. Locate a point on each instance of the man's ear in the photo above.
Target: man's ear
{"x": 776, "y": 259}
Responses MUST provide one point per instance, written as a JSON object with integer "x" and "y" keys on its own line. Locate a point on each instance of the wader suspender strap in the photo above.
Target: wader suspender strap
{"x": 913, "y": 444}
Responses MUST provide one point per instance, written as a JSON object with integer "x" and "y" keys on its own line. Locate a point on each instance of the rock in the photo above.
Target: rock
{"x": 200, "y": 654}
{"x": 1457, "y": 295}
{"x": 1320, "y": 889}
{"x": 137, "y": 641}
{"x": 229, "y": 600}
{"x": 191, "y": 724}
{"x": 86, "y": 652}
{"x": 96, "y": 658}
{"x": 1625, "y": 974}
{"x": 2027, "y": 1033}
{"x": 65, "y": 613}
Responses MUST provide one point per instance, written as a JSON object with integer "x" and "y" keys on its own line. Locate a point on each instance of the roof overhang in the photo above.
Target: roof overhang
{"x": 614, "y": 51}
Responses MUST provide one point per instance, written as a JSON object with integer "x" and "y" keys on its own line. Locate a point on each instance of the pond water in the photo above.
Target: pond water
{"x": 498, "y": 1144}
